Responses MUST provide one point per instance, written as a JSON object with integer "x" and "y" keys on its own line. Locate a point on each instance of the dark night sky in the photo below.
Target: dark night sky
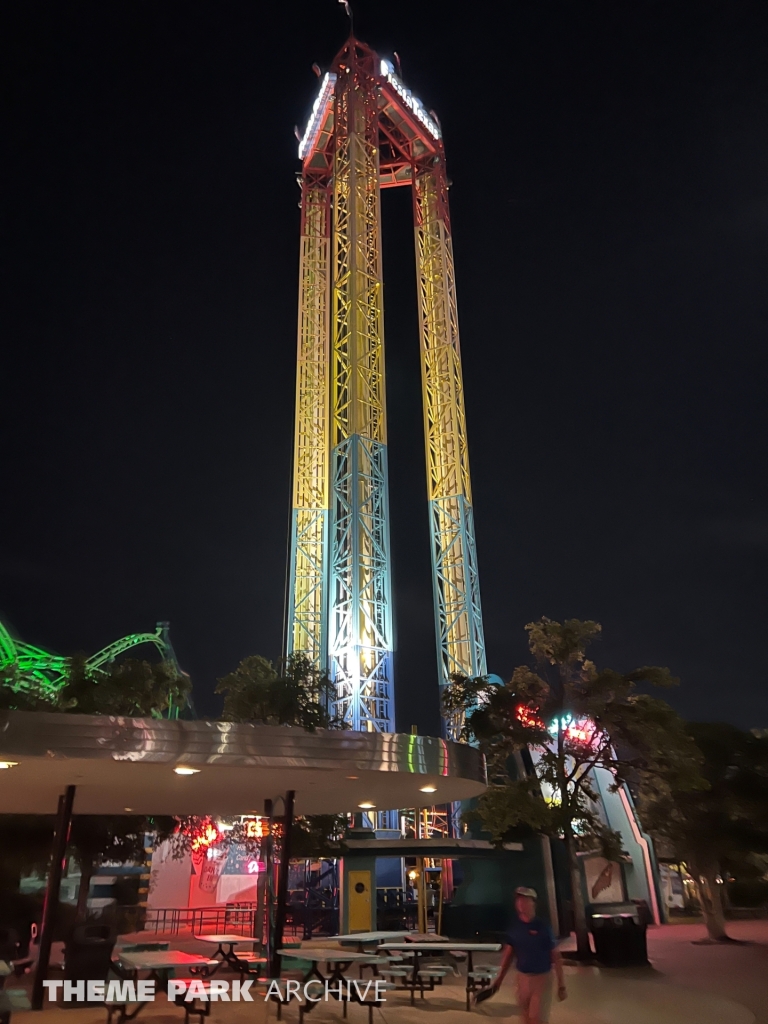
{"x": 610, "y": 216}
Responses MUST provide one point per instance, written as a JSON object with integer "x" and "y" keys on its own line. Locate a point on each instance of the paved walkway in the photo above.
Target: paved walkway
{"x": 736, "y": 972}
{"x": 684, "y": 980}
{"x": 594, "y": 999}
{"x": 686, "y": 984}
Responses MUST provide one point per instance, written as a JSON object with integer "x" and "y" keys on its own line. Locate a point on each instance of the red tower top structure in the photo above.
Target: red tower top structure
{"x": 410, "y": 136}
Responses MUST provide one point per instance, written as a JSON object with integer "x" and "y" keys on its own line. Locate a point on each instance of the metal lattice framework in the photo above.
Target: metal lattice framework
{"x": 458, "y": 617}
{"x": 367, "y": 132}
{"x": 307, "y": 598}
{"x": 360, "y": 618}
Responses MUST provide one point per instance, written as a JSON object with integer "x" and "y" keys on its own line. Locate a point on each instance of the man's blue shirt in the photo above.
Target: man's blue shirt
{"x": 533, "y": 943}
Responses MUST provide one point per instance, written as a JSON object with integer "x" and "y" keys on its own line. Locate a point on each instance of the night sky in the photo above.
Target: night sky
{"x": 610, "y": 215}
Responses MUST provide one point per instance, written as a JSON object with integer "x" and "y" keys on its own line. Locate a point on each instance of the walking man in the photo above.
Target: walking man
{"x": 531, "y": 943}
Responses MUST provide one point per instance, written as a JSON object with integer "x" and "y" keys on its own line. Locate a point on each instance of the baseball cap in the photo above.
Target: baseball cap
{"x": 523, "y": 890}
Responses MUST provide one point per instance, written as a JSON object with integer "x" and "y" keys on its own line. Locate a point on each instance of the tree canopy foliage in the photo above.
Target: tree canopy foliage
{"x": 99, "y": 839}
{"x": 141, "y": 689}
{"x": 131, "y": 687}
{"x": 721, "y": 828}
{"x": 294, "y": 693}
{"x": 574, "y": 719}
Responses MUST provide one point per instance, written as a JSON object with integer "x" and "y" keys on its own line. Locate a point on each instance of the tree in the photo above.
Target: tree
{"x": 19, "y": 692}
{"x": 298, "y": 694}
{"x": 130, "y": 687}
{"x": 135, "y": 688}
{"x": 318, "y": 835}
{"x": 119, "y": 839}
{"x": 719, "y": 828}
{"x": 314, "y": 835}
{"x": 575, "y": 719}
{"x": 26, "y": 847}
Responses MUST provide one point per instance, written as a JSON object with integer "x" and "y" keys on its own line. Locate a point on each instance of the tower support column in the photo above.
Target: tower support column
{"x": 360, "y": 626}
{"x": 309, "y": 566}
{"x": 458, "y": 617}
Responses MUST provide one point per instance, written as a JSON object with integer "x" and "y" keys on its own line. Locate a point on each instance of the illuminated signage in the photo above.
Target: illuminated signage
{"x": 317, "y": 116}
{"x": 581, "y": 732}
{"x": 413, "y": 104}
{"x": 255, "y": 828}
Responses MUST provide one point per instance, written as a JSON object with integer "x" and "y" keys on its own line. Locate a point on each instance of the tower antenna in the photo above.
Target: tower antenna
{"x": 348, "y": 9}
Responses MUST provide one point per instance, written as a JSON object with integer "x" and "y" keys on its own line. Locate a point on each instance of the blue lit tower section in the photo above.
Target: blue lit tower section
{"x": 360, "y": 641}
{"x": 339, "y": 594}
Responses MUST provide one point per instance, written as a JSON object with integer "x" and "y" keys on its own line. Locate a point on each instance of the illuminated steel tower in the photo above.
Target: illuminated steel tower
{"x": 368, "y": 132}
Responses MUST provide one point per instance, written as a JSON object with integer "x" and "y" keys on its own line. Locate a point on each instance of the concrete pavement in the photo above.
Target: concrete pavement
{"x": 685, "y": 984}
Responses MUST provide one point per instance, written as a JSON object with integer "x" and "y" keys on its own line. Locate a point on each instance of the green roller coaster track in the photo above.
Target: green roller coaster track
{"x": 38, "y": 667}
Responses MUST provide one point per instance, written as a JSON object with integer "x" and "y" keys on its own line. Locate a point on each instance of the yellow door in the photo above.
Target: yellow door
{"x": 359, "y": 892}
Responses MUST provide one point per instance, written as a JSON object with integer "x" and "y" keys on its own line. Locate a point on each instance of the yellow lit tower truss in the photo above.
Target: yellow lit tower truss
{"x": 367, "y": 132}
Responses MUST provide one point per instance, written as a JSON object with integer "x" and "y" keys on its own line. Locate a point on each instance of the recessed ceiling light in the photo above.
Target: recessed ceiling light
{"x": 428, "y": 789}
{"x": 366, "y": 806}
{"x": 129, "y": 809}
{"x": 186, "y": 771}
{"x": 353, "y": 776}
{"x": 8, "y": 764}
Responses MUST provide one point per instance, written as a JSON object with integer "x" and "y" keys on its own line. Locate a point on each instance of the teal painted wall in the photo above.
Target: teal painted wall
{"x": 484, "y": 901}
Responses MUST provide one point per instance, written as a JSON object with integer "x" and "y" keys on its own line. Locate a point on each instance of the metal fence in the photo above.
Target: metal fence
{"x": 238, "y": 918}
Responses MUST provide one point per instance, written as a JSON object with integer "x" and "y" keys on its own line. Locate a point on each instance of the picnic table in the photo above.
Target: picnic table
{"x": 422, "y": 950}
{"x": 338, "y": 961}
{"x": 229, "y": 956}
{"x": 362, "y": 939}
{"x": 159, "y": 964}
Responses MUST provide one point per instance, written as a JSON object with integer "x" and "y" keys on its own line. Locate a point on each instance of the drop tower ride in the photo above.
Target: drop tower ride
{"x": 367, "y": 132}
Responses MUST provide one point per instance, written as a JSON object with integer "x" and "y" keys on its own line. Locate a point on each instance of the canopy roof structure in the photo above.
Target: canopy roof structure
{"x": 129, "y": 765}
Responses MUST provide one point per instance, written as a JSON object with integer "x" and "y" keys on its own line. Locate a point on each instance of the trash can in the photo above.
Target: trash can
{"x": 88, "y": 953}
{"x": 646, "y": 917}
{"x": 619, "y": 933}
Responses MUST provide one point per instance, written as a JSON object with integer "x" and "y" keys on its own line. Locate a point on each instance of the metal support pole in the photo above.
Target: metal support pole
{"x": 421, "y": 896}
{"x": 267, "y": 932}
{"x": 439, "y": 926}
{"x": 282, "y": 881}
{"x": 51, "y": 905}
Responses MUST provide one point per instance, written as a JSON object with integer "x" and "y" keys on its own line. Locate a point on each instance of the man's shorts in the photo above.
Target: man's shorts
{"x": 534, "y": 996}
